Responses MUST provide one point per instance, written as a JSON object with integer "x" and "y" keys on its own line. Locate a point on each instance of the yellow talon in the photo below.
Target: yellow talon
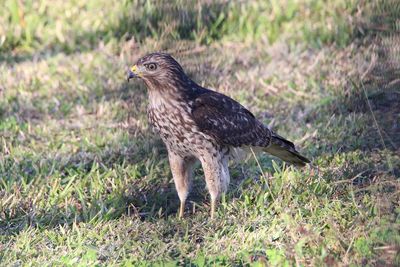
{"x": 181, "y": 210}
{"x": 213, "y": 202}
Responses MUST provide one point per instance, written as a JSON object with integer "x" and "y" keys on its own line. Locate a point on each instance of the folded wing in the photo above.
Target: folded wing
{"x": 228, "y": 121}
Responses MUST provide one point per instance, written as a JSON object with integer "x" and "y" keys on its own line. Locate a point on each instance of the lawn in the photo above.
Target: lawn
{"x": 84, "y": 180}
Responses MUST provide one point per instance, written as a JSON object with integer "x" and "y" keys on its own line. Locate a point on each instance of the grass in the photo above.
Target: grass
{"x": 84, "y": 181}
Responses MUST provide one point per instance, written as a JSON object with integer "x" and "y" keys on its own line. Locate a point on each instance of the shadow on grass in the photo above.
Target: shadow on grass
{"x": 140, "y": 186}
{"x": 190, "y": 20}
{"x": 372, "y": 98}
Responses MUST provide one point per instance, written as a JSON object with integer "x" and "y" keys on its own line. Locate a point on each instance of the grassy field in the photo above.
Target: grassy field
{"x": 84, "y": 181}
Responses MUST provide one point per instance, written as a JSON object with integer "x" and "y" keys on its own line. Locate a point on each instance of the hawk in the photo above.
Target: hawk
{"x": 196, "y": 123}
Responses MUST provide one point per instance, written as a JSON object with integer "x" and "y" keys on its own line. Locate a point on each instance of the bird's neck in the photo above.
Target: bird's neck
{"x": 172, "y": 95}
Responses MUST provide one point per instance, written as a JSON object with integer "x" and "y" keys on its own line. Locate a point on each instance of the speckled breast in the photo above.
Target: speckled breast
{"x": 178, "y": 130}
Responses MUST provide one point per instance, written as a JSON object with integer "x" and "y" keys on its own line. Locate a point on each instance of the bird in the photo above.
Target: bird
{"x": 200, "y": 124}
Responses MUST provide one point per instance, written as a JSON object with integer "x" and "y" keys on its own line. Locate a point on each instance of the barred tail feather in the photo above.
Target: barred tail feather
{"x": 286, "y": 151}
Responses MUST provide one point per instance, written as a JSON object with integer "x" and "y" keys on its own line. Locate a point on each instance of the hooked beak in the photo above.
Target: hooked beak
{"x": 132, "y": 73}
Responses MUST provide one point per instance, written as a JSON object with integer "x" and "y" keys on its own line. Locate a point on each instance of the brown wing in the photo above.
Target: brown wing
{"x": 228, "y": 121}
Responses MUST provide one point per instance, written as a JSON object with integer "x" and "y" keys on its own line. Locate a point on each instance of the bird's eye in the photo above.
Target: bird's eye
{"x": 151, "y": 66}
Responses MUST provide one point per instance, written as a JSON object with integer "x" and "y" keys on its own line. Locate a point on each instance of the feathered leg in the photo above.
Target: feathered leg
{"x": 182, "y": 172}
{"x": 217, "y": 177}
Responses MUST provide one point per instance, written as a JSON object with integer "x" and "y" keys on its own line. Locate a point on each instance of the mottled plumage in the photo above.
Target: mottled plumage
{"x": 196, "y": 123}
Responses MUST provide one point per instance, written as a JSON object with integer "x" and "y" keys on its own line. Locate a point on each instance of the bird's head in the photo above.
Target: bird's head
{"x": 157, "y": 69}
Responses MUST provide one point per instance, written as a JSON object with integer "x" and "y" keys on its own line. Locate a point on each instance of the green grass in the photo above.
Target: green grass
{"x": 84, "y": 181}
{"x": 55, "y": 26}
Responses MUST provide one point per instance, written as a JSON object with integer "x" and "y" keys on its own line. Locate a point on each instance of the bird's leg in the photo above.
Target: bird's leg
{"x": 213, "y": 205}
{"x": 182, "y": 209}
{"x": 181, "y": 169}
{"x": 217, "y": 178}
